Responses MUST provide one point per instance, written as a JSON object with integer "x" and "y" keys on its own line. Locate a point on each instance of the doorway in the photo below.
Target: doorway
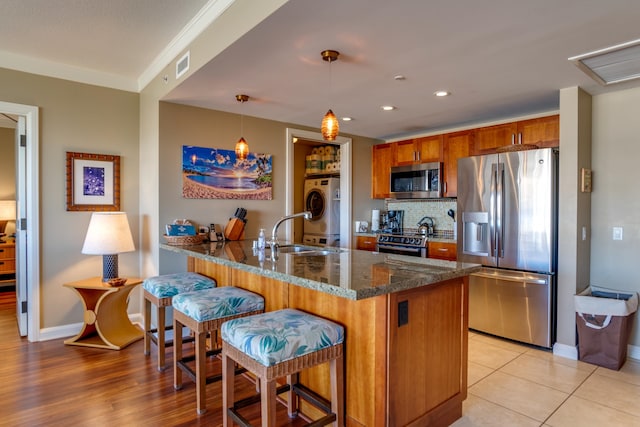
{"x": 26, "y": 228}
{"x": 294, "y": 135}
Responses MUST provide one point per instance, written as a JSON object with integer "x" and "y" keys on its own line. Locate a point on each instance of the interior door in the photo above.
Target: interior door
{"x": 21, "y": 232}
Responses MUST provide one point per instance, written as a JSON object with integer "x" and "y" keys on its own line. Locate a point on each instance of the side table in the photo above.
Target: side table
{"x": 106, "y": 322}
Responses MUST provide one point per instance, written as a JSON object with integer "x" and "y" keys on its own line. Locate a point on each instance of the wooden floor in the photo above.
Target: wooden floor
{"x": 52, "y": 384}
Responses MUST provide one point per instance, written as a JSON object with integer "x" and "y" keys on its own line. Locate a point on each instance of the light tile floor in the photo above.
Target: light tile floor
{"x": 515, "y": 385}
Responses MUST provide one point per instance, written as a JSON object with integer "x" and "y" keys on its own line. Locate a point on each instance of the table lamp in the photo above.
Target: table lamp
{"x": 7, "y": 213}
{"x": 108, "y": 235}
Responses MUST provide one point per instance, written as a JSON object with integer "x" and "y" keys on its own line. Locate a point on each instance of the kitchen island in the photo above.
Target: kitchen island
{"x": 405, "y": 318}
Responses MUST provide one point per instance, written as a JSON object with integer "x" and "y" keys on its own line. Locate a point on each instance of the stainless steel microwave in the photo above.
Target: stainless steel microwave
{"x": 419, "y": 181}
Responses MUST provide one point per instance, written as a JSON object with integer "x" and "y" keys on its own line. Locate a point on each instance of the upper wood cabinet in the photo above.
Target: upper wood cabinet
{"x": 543, "y": 132}
{"x": 381, "y": 161}
{"x": 455, "y": 146}
{"x": 419, "y": 150}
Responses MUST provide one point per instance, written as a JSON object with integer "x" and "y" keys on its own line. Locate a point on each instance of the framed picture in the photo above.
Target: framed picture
{"x": 214, "y": 173}
{"x": 93, "y": 182}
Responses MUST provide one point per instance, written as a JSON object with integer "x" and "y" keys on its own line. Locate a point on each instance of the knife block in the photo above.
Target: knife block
{"x": 234, "y": 229}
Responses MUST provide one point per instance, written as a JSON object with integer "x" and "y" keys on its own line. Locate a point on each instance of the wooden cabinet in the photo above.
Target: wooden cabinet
{"x": 543, "y": 132}
{"x": 442, "y": 250}
{"x": 7, "y": 261}
{"x": 419, "y": 150}
{"x": 488, "y": 139}
{"x": 381, "y": 161}
{"x": 366, "y": 243}
{"x": 455, "y": 145}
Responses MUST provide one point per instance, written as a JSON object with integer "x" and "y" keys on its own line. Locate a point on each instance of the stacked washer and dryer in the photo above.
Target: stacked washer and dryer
{"x": 322, "y": 199}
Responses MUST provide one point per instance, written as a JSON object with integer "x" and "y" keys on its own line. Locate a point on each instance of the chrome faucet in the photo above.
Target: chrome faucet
{"x": 273, "y": 244}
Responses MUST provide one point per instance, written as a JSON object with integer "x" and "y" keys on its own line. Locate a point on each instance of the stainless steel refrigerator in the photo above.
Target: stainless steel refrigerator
{"x": 507, "y": 210}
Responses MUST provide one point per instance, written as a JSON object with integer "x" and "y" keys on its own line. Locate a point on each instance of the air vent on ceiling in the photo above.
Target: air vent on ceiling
{"x": 182, "y": 66}
{"x": 613, "y": 64}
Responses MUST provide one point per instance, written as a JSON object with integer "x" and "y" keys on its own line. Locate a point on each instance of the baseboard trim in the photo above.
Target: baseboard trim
{"x": 571, "y": 352}
{"x": 563, "y": 350}
{"x": 65, "y": 331}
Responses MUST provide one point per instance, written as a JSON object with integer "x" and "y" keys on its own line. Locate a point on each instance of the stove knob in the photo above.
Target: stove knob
{"x": 406, "y": 240}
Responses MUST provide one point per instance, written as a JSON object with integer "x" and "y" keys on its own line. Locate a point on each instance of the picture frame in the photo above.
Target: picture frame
{"x": 93, "y": 182}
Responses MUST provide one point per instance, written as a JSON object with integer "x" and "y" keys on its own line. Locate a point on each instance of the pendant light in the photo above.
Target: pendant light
{"x": 242, "y": 148}
{"x": 330, "y": 125}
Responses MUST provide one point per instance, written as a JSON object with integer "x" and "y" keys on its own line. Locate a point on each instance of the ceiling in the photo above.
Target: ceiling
{"x": 498, "y": 58}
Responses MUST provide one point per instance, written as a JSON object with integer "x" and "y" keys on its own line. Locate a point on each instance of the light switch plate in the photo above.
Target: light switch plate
{"x": 617, "y": 233}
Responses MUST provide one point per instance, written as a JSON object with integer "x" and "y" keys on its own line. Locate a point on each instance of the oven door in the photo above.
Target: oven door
{"x": 402, "y": 250}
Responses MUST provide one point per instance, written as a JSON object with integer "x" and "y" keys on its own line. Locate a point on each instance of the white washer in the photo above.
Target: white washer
{"x": 322, "y": 199}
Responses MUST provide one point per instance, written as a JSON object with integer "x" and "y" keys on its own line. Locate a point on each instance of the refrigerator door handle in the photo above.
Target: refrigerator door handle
{"x": 492, "y": 209}
{"x": 500, "y": 211}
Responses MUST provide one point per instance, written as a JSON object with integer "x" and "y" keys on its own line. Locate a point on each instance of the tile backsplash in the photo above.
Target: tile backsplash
{"x": 415, "y": 210}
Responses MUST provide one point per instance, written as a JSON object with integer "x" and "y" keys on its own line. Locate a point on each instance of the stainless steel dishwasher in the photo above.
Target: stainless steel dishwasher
{"x": 513, "y": 304}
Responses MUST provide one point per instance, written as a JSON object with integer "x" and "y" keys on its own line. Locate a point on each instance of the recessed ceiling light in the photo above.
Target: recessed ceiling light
{"x": 441, "y": 93}
{"x": 388, "y": 107}
{"x": 399, "y": 77}
{"x": 347, "y": 119}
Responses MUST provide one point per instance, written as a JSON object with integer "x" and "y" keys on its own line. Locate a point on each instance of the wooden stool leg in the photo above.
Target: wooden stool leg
{"x": 201, "y": 374}
{"x": 268, "y": 402}
{"x": 228, "y": 388}
{"x": 147, "y": 326}
{"x": 292, "y": 398}
{"x": 337, "y": 390}
{"x": 161, "y": 338}
{"x": 177, "y": 354}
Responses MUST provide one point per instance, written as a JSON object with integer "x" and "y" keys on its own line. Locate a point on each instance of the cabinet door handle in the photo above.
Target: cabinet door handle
{"x": 513, "y": 139}
{"x": 418, "y": 154}
{"x": 443, "y": 249}
{"x": 519, "y": 137}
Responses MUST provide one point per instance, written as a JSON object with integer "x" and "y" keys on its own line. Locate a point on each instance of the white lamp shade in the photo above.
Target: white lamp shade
{"x": 7, "y": 210}
{"x": 108, "y": 234}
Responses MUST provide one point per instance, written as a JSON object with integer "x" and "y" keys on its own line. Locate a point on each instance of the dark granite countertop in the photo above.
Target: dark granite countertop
{"x": 349, "y": 273}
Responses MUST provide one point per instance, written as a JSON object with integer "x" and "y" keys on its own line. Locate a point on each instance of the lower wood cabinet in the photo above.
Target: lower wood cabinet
{"x": 442, "y": 250}
{"x": 366, "y": 243}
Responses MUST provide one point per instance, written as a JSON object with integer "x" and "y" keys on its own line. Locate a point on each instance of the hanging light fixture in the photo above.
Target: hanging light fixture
{"x": 330, "y": 125}
{"x": 242, "y": 148}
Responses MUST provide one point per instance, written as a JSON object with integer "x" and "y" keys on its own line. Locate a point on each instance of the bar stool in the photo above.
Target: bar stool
{"x": 278, "y": 344}
{"x": 203, "y": 312}
{"x": 159, "y": 290}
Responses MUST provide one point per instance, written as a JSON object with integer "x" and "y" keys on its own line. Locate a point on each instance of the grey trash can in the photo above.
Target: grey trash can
{"x": 604, "y": 318}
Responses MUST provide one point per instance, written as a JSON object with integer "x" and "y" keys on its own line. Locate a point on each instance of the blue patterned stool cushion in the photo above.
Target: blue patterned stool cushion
{"x": 217, "y": 303}
{"x": 168, "y": 285}
{"x": 278, "y": 336}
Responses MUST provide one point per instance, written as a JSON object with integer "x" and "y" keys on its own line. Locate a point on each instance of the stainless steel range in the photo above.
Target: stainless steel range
{"x": 403, "y": 244}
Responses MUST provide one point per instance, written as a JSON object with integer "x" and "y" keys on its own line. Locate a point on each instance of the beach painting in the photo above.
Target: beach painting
{"x": 212, "y": 173}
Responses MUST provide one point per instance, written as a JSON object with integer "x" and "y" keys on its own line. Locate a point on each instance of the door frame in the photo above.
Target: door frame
{"x": 345, "y": 180}
{"x": 32, "y": 217}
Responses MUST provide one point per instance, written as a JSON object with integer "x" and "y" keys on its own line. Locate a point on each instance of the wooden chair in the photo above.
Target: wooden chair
{"x": 203, "y": 312}
{"x": 158, "y": 291}
{"x": 282, "y": 344}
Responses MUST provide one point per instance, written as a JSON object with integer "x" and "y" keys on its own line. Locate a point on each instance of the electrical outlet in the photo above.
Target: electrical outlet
{"x": 617, "y": 233}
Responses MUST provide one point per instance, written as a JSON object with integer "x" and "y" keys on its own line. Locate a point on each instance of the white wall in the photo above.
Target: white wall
{"x": 616, "y": 193}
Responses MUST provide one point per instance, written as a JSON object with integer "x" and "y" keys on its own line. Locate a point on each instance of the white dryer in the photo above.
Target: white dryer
{"x": 322, "y": 199}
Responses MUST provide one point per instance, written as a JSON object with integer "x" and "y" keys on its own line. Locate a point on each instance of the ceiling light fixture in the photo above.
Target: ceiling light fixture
{"x": 388, "y": 107}
{"x": 347, "y": 119}
{"x": 330, "y": 125}
{"x": 441, "y": 93}
{"x": 242, "y": 148}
